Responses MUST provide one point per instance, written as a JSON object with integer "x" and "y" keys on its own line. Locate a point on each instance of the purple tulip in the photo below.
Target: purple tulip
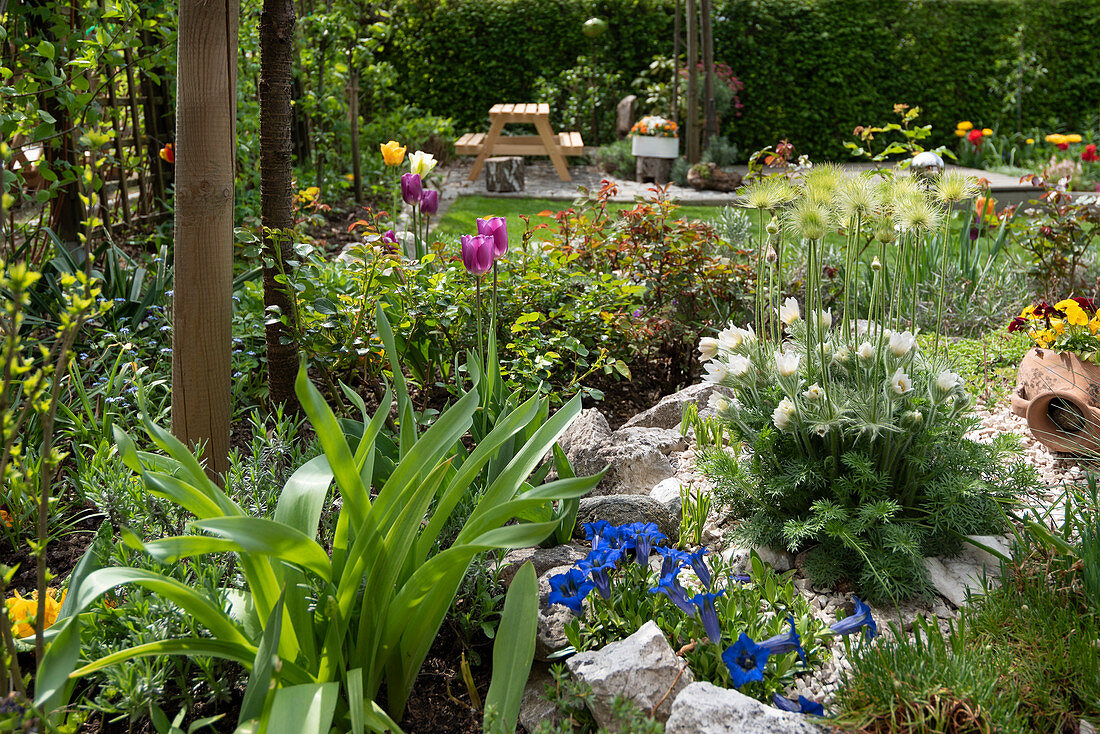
{"x": 389, "y": 236}
{"x": 477, "y": 253}
{"x": 496, "y": 228}
{"x": 411, "y": 188}
{"x": 429, "y": 201}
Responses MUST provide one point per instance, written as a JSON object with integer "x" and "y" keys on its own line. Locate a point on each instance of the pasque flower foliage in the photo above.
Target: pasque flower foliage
{"x": 859, "y": 449}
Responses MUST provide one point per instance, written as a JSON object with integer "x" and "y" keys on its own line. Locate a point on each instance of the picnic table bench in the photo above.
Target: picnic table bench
{"x": 547, "y": 142}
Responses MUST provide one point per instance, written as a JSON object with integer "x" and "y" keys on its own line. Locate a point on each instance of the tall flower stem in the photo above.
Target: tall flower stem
{"x": 760, "y": 258}
{"x": 942, "y": 284}
{"x": 480, "y": 341}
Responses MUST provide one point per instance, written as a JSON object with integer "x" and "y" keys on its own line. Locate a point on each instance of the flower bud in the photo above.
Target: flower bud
{"x": 876, "y": 265}
{"x": 773, "y": 227}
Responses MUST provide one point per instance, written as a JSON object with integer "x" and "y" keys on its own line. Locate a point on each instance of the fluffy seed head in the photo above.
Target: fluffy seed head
{"x": 952, "y": 186}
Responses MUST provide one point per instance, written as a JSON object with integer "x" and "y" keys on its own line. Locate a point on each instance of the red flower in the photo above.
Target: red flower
{"x": 1086, "y": 303}
{"x": 167, "y": 153}
{"x": 1088, "y": 155}
{"x": 975, "y": 137}
{"x": 1017, "y": 323}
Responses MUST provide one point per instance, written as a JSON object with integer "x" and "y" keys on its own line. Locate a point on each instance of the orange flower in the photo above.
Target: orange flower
{"x": 22, "y": 610}
{"x": 5, "y": 518}
{"x": 168, "y": 153}
{"x": 985, "y": 207}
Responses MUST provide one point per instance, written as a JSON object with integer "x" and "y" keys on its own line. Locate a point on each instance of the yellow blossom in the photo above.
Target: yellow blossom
{"x": 1058, "y": 326}
{"x": 1030, "y": 141}
{"x": 22, "y": 610}
{"x": 986, "y": 132}
{"x": 965, "y": 125}
{"x": 1029, "y": 313}
{"x": 392, "y": 153}
{"x": 960, "y": 132}
{"x": 1074, "y": 138}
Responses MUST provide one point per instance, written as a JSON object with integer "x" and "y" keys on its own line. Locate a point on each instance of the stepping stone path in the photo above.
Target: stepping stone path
{"x": 649, "y": 462}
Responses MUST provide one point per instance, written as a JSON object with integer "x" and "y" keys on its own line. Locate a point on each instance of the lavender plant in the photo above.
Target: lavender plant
{"x": 858, "y": 437}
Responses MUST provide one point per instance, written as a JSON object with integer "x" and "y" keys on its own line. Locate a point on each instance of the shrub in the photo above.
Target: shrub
{"x": 615, "y": 159}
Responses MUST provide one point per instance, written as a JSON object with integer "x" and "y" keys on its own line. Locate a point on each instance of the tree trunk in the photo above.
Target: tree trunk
{"x": 206, "y": 97}
{"x": 691, "y": 124}
{"x": 353, "y": 113}
{"x": 676, "y": 63}
{"x": 276, "y": 194}
{"x": 710, "y": 114}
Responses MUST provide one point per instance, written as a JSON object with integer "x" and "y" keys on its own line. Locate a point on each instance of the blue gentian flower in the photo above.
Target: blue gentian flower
{"x": 704, "y": 605}
{"x": 861, "y": 618}
{"x": 673, "y": 561}
{"x": 646, "y": 535}
{"x": 741, "y": 578}
{"x": 670, "y": 587}
{"x": 804, "y": 705}
{"x": 569, "y": 589}
{"x": 699, "y": 566}
{"x": 599, "y": 533}
{"x": 745, "y": 660}
{"x": 780, "y": 644}
{"x": 597, "y": 565}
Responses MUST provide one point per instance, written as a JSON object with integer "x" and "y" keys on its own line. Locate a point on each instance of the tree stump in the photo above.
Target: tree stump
{"x": 657, "y": 170}
{"x": 504, "y": 174}
{"x": 624, "y": 115}
{"x": 709, "y": 176}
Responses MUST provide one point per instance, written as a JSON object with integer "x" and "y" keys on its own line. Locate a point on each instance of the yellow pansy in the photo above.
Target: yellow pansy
{"x": 965, "y": 125}
{"x": 1076, "y": 316}
{"x": 392, "y": 153}
{"x": 1094, "y": 325}
{"x": 1058, "y": 326}
{"x": 1029, "y": 313}
{"x": 1066, "y": 304}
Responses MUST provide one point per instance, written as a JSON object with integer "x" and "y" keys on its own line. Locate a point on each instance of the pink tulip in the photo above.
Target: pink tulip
{"x": 496, "y": 228}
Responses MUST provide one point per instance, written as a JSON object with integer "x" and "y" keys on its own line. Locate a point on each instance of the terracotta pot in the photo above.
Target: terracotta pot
{"x": 1059, "y": 395}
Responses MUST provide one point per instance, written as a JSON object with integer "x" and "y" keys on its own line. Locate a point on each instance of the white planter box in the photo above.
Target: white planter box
{"x": 650, "y": 146}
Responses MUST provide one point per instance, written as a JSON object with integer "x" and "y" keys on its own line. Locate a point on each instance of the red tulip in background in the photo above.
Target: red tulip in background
{"x": 1088, "y": 155}
{"x": 975, "y": 137}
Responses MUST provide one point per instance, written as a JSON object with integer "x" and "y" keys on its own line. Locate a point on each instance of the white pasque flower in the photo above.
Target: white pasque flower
{"x": 422, "y": 163}
{"x": 947, "y": 381}
{"x": 783, "y": 414}
{"x": 821, "y": 429}
{"x": 788, "y": 312}
{"x": 786, "y": 363}
{"x": 842, "y": 355}
{"x": 866, "y": 352}
{"x": 732, "y": 337}
{"x": 717, "y": 372}
{"x": 739, "y": 365}
{"x": 813, "y": 392}
{"x": 902, "y": 342}
{"x": 900, "y": 382}
{"x": 825, "y": 318}
{"x": 708, "y": 348}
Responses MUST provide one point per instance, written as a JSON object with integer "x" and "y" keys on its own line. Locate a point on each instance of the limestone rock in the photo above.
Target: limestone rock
{"x": 703, "y": 708}
{"x": 543, "y": 559}
{"x": 779, "y": 559}
{"x": 636, "y": 457}
{"x": 550, "y": 631}
{"x": 534, "y": 707}
{"x": 953, "y": 577}
{"x": 642, "y": 668}
{"x": 667, "y": 491}
{"x": 618, "y": 509}
{"x": 669, "y": 411}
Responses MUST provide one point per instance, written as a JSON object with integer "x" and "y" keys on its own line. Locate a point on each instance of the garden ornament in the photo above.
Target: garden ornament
{"x": 926, "y": 166}
{"x": 1059, "y": 395}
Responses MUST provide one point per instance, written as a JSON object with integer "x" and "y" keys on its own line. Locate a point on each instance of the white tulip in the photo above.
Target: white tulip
{"x": 739, "y": 365}
{"x": 788, "y": 312}
{"x": 422, "y": 163}
{"x": 900, "y": 382}
{"x": 786, "y": 363}
{"x": 902, "y": 342}
{"x": 708, "y": 348}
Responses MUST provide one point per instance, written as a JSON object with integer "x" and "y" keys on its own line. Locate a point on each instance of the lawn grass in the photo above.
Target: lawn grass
{"x": 461, "y": 217}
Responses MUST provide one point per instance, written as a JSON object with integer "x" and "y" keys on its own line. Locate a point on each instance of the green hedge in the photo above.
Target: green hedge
{"x": 813, "y": 69}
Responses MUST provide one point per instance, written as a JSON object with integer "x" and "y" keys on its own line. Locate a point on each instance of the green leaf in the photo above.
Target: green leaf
{"x": 47, "y": 51}
{"x": 304, "y": 709}
{"x": 271, "y": 538}
{"x": 514, "y": 648}
{"x": 303, "y": 497}
{"x": 52, "y": 684}
{"x": 252, "y": 706}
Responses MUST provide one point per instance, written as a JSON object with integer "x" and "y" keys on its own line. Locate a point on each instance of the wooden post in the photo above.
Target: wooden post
{"x": 710, "y": 114}
{"x": 206, "y": 106}
{"x": 691, "y": 124}
{"x": 145, "y": 195}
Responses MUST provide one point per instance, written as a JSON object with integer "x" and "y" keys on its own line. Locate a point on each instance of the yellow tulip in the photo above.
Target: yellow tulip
{"x": 960, "y": 132}
{"x": 986, "y": 132}
{"x": 965, "y": 125}
{"x": 1030, "y": 141}
{"x": 392, "y": 153}
{"x": 1074, "y": 138}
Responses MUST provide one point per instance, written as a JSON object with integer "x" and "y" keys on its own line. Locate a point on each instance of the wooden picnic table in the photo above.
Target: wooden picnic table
{"x": 548, "y": 143}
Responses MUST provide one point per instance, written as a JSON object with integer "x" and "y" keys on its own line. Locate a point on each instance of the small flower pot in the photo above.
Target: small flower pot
{"x": 651, "y": 146}
{"x": 1059, "y": 395}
